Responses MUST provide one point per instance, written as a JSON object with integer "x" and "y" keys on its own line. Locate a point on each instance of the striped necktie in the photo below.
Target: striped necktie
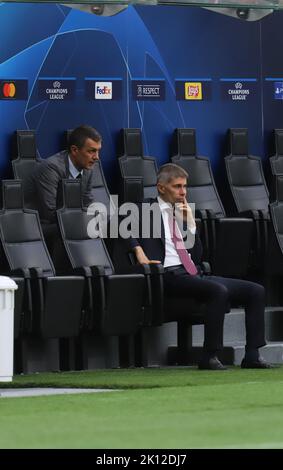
{"x": 178, "y": 241}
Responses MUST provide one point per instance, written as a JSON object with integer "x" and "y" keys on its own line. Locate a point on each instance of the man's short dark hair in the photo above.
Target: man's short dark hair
{"x": 169, "y": 171}
{"x": 79, "y": 135}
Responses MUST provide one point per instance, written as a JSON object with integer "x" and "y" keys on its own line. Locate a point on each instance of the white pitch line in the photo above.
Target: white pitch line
{"x": 37, "y": 392}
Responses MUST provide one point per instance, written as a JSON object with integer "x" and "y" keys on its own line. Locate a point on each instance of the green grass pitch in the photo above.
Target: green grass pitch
{"x": 154, "y": 408}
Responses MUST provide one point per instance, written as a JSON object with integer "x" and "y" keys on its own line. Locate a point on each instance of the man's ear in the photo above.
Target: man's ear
{"x": 160, "y": 188}
{"x": 73, "y": 149}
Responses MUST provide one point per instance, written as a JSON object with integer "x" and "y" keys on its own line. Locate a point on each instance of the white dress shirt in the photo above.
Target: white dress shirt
{"x": 171, "y": 256}
{"x": 73, "y": 170}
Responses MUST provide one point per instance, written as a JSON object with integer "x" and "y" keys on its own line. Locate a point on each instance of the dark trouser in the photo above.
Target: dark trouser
{"x": 218, "y": 293}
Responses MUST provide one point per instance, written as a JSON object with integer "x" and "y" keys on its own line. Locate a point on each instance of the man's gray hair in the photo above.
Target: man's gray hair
{"x": 170, "y": 171}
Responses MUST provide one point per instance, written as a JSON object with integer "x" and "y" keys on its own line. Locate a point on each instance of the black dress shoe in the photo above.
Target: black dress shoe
{"x": 258, "y": 364}
{"x": 212, "y": 363}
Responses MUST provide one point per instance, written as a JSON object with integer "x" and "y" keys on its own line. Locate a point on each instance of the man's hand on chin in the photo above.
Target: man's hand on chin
{"x": 184, "y": 211}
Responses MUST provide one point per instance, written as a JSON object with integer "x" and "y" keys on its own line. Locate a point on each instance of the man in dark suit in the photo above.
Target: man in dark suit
{"x": 84, "y": 145}
{"x": 77, "y": 161}
{"x": 184, "y": 278}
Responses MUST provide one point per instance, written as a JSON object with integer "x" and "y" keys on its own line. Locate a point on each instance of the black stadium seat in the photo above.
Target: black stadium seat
{"x": 276, "y": 211}
{"x": 26, "y": 156}
{"x": 114, "y": 301}
{"x": 245, "y": 175}
{"x": 248, "y": 186}
{"x": 138, "y": 172}
{"x": 276, "y": 161}
{"x": 56, "y": 301}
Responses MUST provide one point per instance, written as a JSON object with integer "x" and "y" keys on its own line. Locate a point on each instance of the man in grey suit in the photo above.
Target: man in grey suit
{"x": 77, "y": 161}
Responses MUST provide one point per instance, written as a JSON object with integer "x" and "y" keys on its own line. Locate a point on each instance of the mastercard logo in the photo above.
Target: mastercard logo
{"x": 9, "y": 90}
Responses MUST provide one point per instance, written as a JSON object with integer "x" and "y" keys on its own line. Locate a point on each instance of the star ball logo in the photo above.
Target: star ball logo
{"x": 9, "y": 90}
{"x": 193, "y": 90}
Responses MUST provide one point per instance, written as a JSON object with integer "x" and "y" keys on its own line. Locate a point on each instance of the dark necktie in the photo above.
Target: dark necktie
{"x": 78, "y": 176}
{"x": 178, "y": 241}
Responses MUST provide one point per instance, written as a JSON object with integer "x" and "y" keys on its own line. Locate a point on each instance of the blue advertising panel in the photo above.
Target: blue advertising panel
{"x": 210, "y": 73}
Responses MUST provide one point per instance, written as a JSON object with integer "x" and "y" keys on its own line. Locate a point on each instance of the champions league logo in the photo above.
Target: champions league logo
{"x": 56, "y": 90}
{"x": 240, "y": 90}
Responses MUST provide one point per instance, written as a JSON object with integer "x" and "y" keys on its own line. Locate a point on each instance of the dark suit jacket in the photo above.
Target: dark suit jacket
{"x": 154, "y": 248}
{"x": 42, "y": 185}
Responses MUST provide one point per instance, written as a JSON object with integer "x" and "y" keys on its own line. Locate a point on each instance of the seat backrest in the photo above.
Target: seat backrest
{"x": 130, "y": 142}
{"x": 202, "y": 190}
{"x": 134, "y": 164}
{"x": 27, "y": 157}
{"x": 21, "y": 233}
{"x": 183, "y": 142}
{"x": 276, "y": 161}
{"x": 276, "y": 210}
{"x": 100, "y": 189}
{"x": 74, "y": 223}
{"x": 245, "y": 174}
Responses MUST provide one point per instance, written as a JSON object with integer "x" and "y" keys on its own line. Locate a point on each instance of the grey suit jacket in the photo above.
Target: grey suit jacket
{"x": 42, "y": 186}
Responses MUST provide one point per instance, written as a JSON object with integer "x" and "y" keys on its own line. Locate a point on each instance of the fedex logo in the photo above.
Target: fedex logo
{"x": 193, "y": 91}
{"x": 103, "y": 90}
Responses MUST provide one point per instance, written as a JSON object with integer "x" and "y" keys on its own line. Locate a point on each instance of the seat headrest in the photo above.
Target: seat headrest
{"x": 238, "y": 141}
{"x": 186, "y": 141}
{"x": 26, "y": 144}
{"x": 132, "y": 142}
{"x": 12, "y": 194}
{"x": 279, "y": 188}
{"x": 69, "y": 194}
{"x": 278, "y": 141}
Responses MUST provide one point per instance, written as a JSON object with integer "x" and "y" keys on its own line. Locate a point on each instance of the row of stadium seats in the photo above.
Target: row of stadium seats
{"x": 215, "y": 226}
{"x": 139, "y": 180}
{"x": 89, "y": 300}
{"x": 248, "y": 230}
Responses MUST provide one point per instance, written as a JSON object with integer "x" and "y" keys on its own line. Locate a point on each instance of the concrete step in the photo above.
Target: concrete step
{"x": 159, "y": 343}
{"x": 234, "y": 326}
{"x": 272, "y": 353}
{"x": 232, "y": 354}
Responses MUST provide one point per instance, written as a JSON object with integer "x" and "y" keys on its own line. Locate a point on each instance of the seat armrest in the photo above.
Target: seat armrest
{"x": 206, "y": 268}
{"x": 156, "y": 268}
{"x": 36, "y": 273}
{"x": 157, "y": 287}
{"x": 20, "y": 272}
{"x": 136, "y": 269}
{"x": 211, "y": 214}
{"x": 84, "y": 271}
{"x": 250, "y": 214}
{"x": 98, "y": 271}
{"x": 264, "y": 215}
{"x": 201, "y": 214}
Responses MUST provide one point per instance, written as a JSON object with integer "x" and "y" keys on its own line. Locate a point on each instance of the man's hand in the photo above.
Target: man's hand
{"x": 142, "y": 258}
{"x": 184, "y": 211}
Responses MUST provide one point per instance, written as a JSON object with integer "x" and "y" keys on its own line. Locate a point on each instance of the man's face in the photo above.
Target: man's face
{"x": 175, "y": 191}
{"x": 84, "y": 157}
